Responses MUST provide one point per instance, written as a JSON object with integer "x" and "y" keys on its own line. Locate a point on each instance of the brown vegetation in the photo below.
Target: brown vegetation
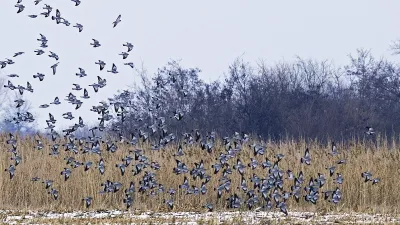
{"x": 20, "y": 193}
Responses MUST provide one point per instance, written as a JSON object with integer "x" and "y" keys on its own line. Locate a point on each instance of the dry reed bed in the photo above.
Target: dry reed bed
{"x": 21, "y": 193}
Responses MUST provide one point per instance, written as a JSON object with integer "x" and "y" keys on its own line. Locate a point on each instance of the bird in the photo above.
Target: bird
{"x": 54, "y": 193}
{"x": 88, "y": 201}
{"x": 10, "y": 85}
{"x": 85, "y": 94}
{"x": 48, "y": 183}
{"x": 95, "y": 43}
{"x": 370, "y": 130}
{"x": 95, "y": 87}
{"x": 56, "y": 101}
{"x": 367, "y": 176}
{"x": 51, "y": 119}
{"x": 3, "y": 64}
{"x": 53, "y": 55}
{"x": 306, "y": 158}
{"x": 11, "y": 171}
{"x": 17, "y": 159}
{"x": 375, "y": 181}
{"x": 20, "y": 7}
{"x": 101, "y": 63}
{"x": 19, "y": 102}
{"x": 65, "y": 22}
{"x": 32, "y": 16}
{"x": 39, "y": 52}
{"x": 35, "y": 179}
{"x": 44, "y": 106}
{"x": 101, "y": 82}
{"x": 113, "y": 69}
{"x": 339, "y": 178}
{"x": 54, "y": 68}
{"x": 129, "y": 46}
{"x": 46, "y": 14}
{"x": 42, "y": 38}
{"x": 9, "y": 61}
{"x": 76, "y": 87}
{"x": 81, "y": 73}
{"x": 130, "y": 64}
{"x": 68, "y": 115}
{"x": 47, "y": 7}
{"x": 57, "y": 17}
{"x": 87, "y": 165}
{"x": 79, "y": 26}
{"x": 101, "y": 166}
{"x": 124, "y": 55}
{"x": 117, "y": 21}
{"x": 331, "y": 170}
{"x": 334, "y": 149}
{"x": 66, "y": 173}
{"x": 77, "y": 2}
{"x": 18, "y": 53}
{"x": 44, "y": 45}
{"x": 40, "y": 76}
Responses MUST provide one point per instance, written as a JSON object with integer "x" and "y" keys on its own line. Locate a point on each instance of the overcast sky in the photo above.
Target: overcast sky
{"x": 205, "y": 34}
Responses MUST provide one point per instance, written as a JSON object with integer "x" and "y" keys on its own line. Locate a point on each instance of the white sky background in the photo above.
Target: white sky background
{"x": 205, "y": 34}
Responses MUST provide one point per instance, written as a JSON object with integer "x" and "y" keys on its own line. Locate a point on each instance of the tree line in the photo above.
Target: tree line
{"x": 299, "y": 99}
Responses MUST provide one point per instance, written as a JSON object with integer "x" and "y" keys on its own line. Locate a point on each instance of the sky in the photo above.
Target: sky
{"x": 206, "y": 34}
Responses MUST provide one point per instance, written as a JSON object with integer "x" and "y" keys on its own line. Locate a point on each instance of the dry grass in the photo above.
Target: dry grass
{"x": 21, "y": 193}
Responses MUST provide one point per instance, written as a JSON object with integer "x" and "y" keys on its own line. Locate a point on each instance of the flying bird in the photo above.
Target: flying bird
{"x": 39, "y": 52}
{"x": 18, "y": 53}
{"x": 57, "y": 17}
{"x": 81, "y": 73}
{"x": 44, "y": 106}
{"x": 370, "y": 130}
{"x": 130, "y": 64}
{"x": 79, "y": 26}
{"x": 101, "y": 64}
{"x": 40, "y": 76}
{"x": 56, "y": 101}
{"x": 54, "y": 68}
{"x": 113, "y": 69}
{"x": 77, "y": 2}
{"x": 88, "y": 201}
{"x": 85, "y": 94}
{"x": 117, "y": 21}
{"x": 124, "y": 55}
{"x": 42, "y": 39}
{"x": 77, "y": 87}
{"x": 95, "y": 43}
{"x": 20, "y": 7}
{"x": 129, "y": 46}
{"x": 11, "y": 171}
{"x": 53, "y": 55}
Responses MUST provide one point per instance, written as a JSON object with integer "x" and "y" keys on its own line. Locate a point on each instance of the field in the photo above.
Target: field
{"x": 195, "y": 218}
{"x": 21, "y": 196}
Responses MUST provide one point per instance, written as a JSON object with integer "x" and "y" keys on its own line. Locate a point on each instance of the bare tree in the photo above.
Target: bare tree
{"x": 15, "y": 118}
{"x": 304, "y": 98}
{"x": 395, "y": 47}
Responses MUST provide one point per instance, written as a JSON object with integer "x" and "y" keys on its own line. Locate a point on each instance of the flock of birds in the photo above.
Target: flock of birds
{"x": 266, "y": 191}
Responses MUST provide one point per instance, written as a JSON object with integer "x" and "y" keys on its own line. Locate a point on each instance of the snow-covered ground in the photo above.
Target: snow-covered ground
{"x": 253, "y": 217}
